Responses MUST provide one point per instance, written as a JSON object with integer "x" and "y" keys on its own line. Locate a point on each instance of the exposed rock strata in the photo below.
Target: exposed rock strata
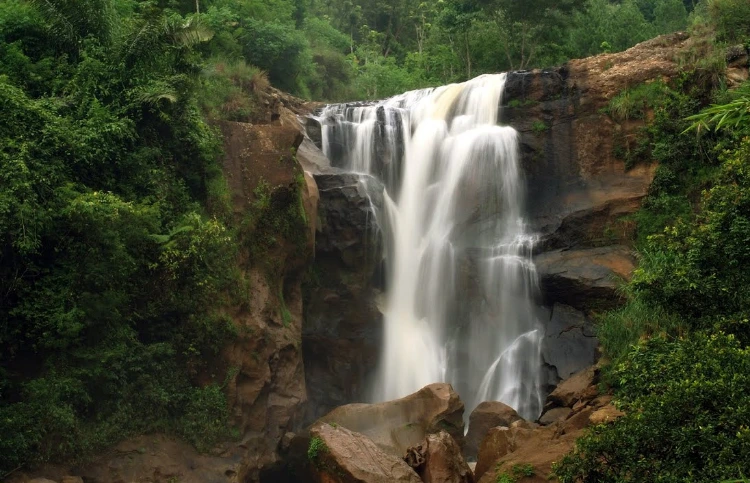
{"x": 569, "y": 343}
{"x": 579, "y": 191}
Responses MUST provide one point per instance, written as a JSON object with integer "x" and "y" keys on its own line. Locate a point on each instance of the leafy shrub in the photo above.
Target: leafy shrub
{"x": 731, "y": 19}
{"x": 699, "y": 268}
{"x": 112, "y": 269}
{"x": 687, "y": 405}
{"x": 315, "y": 450}
{"x": 278, "y": 49}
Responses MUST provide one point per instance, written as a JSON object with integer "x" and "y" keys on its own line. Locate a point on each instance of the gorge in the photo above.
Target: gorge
{"x": 466, "y": 234}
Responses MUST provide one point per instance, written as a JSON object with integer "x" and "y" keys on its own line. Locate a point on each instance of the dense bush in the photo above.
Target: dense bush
{"x": 731, "y": 18}
{"x": 112, "y": 268}
{"x": 687, "y": 405}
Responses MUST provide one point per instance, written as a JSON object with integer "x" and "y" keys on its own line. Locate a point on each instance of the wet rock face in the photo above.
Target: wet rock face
{"x": 585, "y": 278}
{"x": 576, "y": 186}
{"x": 342, "y": 329}
{"x": 569, "y": 343}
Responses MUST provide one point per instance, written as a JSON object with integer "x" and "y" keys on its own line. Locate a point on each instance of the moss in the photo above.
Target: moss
{"x": 539, "y": 126}
{"x": 315, "y": 450}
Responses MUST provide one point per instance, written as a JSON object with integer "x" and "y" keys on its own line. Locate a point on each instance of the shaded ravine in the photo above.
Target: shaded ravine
{"x": 453, "y": 222}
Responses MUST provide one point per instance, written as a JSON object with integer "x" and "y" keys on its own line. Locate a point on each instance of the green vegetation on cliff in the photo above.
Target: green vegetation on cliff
{"x": 678, "y": 350}
{"x": 110, "y": 263}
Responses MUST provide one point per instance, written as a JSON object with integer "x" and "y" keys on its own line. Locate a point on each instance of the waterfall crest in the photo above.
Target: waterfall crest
{"x": 461, "y": 283}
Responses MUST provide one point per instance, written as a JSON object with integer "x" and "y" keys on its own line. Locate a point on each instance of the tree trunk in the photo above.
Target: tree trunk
{"x": 468, "y": 56}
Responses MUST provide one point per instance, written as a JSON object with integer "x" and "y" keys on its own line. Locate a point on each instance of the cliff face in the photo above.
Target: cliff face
{"x": 275, "y": 208}
{"x": 579, "y": 194}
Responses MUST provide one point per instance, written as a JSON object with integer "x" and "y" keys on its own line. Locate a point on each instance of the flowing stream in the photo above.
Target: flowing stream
{"x": 461, "y": 284}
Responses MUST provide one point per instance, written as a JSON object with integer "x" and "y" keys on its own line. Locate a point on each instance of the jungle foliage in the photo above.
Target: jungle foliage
{"x": 117, "y": 251}
{"x": 111, "y": 264}
{"x": 678, "y": 351}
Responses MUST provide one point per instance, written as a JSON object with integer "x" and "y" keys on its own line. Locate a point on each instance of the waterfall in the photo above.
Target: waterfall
{"x": 461, "y": 283}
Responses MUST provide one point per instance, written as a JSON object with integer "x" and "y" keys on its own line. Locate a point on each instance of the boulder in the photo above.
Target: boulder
{"x": 487, "y": 415}
{"x": 398, "y": 425}
{"x": 496, "y": 443}
{"x": 607, "y": 414}
{"x": 312, "y": 159}
{"x": 585, "y": 278}
{"x": 579, "y": 387}
{"x": 443, "y": 462}
{"x": 71, "y": 479}
{"x": 578, "y": 420}
{"x": 337, "y": 455}
{"x": 569, "y": 343}
{"x": 554, "y": 415}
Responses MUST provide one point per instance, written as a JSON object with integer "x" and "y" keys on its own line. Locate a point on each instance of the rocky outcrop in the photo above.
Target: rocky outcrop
{"x": 579, "y": 190}
{"x": 488, "y": 414}
{"x": 397, "y": 425}
{"x": 267, "y": 388}
{"x": 569, "y": 343}
{"x": 526, "y": 452}
{"x": 338, "y": 455}
{"x": 579, "y": 387}
{"x": 585, "y": 278}
{"x": 342, "y": 330}
{"x": 394, "y": 427}
{"x": 443, "y": 462}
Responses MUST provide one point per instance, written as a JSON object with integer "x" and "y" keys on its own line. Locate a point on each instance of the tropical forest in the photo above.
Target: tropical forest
{"x": 427, "y": 241}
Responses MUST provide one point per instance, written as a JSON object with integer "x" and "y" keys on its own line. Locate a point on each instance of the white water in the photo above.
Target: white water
{"x": 461, "y": 284}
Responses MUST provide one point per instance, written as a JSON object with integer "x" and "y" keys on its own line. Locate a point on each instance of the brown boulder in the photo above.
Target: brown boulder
{"x": 338, "y": 455}
{"x": 487, "y": 415}
{"x": 607, "y": 414}
{"x": 532, "y": 451}
{"x": 443, "y": 461}
{"x": 398, "y": 425}
{"x": 553, "y": 415}
{"x": 578, "y": 387}
{"x": 577, "y": 421}
{"x": 585, "y": 277}
{"x": 495, "y": 444}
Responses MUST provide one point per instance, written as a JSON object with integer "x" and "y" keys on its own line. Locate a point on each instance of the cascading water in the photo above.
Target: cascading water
{"x": 461, "y": 284}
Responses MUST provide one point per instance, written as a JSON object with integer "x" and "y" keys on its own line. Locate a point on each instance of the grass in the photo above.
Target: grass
{"x": 633, "y": 103}
{"x": 232, "y": 90}
{"x": 620, "y": 329}
{"x": 517, "y": 471}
